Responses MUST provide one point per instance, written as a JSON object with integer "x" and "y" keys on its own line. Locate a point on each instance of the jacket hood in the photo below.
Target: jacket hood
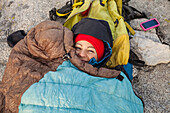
{"x": 49, "y": 40}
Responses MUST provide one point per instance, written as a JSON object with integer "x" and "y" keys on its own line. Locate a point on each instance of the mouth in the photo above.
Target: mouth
{"x": 85, "y": 61}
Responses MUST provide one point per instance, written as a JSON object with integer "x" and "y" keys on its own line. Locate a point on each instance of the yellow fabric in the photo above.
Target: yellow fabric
{"x": 110, "y": 12}
{"x": 104, "y": 1}
{"x": 130, "y": 28}
{"x": 76, "y": 12}
{"x": 120, "y": 52}
{"x": 119, "y": 6}
{"x": 77, "y": 4}
{"x": 59, "y": 14}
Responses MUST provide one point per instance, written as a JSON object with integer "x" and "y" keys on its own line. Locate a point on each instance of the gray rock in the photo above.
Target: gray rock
{"x": 5, "y": 51}
{"x": 152, "y": 52}
{"x": 2, "y": 69}
{"x": 147, "y": 35}
{"x": 152, "y": 85}
{"x": 158, "y": 9}
{"x": 165, "y": 30}
{"x": 27, "y": 14}
{"x": 21, "y": 15}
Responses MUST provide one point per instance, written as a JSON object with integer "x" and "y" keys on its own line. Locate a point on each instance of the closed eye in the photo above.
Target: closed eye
{"x": 78, "y": 48}
{"x": 91, "y": 51}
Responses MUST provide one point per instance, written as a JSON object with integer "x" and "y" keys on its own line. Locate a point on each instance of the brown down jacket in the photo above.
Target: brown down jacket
{"x": 42, "y": 50}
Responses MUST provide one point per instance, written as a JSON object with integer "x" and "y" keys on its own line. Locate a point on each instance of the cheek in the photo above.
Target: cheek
{"x": 77, "y": 51}
{"x": 92, "y": 55}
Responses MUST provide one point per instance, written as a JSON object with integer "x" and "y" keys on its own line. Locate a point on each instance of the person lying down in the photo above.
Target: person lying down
{"x": 59, "y": 70}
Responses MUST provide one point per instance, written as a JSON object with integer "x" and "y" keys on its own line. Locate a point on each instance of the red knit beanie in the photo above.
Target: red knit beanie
{"x": 97, "y": 43}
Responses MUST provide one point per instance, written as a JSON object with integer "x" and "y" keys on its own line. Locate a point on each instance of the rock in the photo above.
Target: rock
{"x": 147, "y": 35}
{"x": 25, "y": 14}
{"x": 5, "y": 51}
{"x": 158, "y": 9}
{"x": 152, "y": 84}
{"x": 135, "y": 71}
{"x": 21, "y": 15}
{"x": 2, "y": 69}
{"x": 150, "y": 50}
{"x": 165, "y": 30}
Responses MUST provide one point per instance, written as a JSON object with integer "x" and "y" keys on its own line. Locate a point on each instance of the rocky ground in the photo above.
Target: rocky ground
{"x": 151, "y": 82}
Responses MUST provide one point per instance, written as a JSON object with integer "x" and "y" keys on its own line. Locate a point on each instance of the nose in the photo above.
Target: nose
{"x": 82, "y": 53}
